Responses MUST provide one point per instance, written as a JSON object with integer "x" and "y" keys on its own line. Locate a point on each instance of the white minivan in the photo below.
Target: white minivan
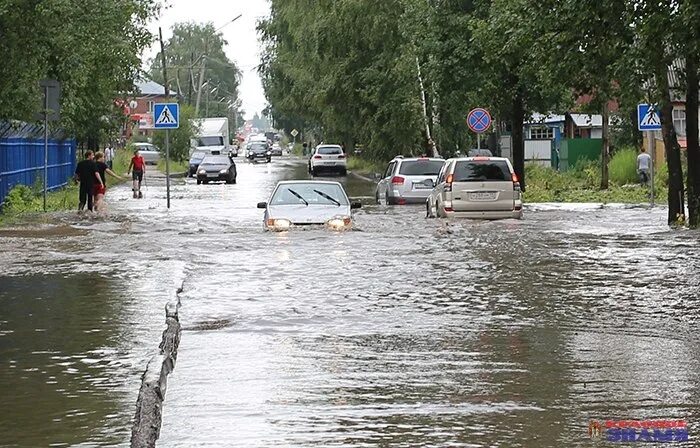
{"x": 476, "y": 187}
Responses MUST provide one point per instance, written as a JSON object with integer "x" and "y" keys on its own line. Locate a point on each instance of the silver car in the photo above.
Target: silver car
{"x": 306, "y": 203}
{"x": 476, "y": 187}
{"x": 408, "y": 180}
{"x": 149, "y": 152}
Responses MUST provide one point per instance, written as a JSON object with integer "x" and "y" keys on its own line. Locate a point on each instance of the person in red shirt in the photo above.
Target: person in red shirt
{"x": 139, "y": 168}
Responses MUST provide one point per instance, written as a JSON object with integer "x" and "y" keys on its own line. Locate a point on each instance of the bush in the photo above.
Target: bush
{"x": 623, "y": 167}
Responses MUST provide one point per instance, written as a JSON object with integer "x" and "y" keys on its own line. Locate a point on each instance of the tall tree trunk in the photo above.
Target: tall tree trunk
{"x": 676, "y": 207}
{"x": 605, "y": 153}
{"x": 691, "y": 117}
{"x": 517, "y": 120}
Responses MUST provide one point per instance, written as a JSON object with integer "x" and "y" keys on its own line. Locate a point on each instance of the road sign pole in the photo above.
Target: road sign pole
{"x": 652, "y": 152}
{"x": 46, "y": 143}
{"x": 167, "y": 165}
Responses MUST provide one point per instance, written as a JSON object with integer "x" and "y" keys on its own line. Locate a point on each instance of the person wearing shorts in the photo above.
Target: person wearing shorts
{"x": 139, "y": 168}
{"x": 100, "y": 189}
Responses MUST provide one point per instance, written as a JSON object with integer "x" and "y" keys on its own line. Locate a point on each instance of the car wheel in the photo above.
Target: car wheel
{"x": 344, "y": 172}
{"x": 314, "y": 173}
{"x": 206, "y": 182}
{"x": 428, "y": 210}
{"x": 376, "y": 198}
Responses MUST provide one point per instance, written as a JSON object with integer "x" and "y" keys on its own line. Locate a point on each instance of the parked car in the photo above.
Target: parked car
{"x": 276, "y": 149}
{"x": 195, "y": 159}
{"x": 408, "y": 180}
{"x": 259, "y": 151}
{"x": 328, "y": 158}
{"x": 149, "y": 152}
{"x": 305, "y": 203}
{"x": 215, "y": 168}
{"x": 476, "y": 187}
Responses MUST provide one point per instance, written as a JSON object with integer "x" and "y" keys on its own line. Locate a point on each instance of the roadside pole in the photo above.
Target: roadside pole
{"x": 46, "y": 143}
{"x": 651, "y": 143}
{"x": 167, "y": 131}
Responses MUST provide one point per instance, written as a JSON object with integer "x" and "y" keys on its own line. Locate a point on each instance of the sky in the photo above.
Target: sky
{"x": 243, "y": 46}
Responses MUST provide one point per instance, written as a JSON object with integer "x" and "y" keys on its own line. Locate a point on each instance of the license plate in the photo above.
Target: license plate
{"x": 212, "y": 175}
{"x": 484, "y": 196}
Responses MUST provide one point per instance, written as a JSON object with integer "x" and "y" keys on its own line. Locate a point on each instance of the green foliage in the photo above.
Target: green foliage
{"x": 623, "y": 167}
{"x": 180, "y": 139}
{"x": 23, "y": 199}
{"x": 185, "y": 52}
{"x": 364, "y": 166}
{"x": 92, "y": 47}
{"x": 175, "y": 167}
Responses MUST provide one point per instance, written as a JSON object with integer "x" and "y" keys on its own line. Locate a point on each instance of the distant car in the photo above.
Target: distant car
{"x": 305, "y": 203}
{"x": 408, "y": 180}
{"x": 259, "y": 151}
{"x": 149, "y": 152}
{"x": 276, "y": 149}
{"x": 195, "y": 159}
{"x": 479, "y": 152}
{"x": 478, "y": 188}
{"x": 328, "y": 158}
{"x": 216, "y": 168}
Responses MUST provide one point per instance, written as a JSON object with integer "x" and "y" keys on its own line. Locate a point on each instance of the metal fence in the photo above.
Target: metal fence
{"x": 22, "y": 158}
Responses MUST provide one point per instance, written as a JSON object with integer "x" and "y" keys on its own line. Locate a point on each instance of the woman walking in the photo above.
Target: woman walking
{"x": 100, "y": 189}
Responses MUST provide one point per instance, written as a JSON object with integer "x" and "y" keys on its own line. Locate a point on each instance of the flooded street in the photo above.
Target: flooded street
{"x": 405, "y": 332}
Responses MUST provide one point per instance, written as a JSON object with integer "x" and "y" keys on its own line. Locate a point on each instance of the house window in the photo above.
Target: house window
{"x": 150, "y": 106}
{"x": 679, "y": 121}
{"x": 542, "y": 133}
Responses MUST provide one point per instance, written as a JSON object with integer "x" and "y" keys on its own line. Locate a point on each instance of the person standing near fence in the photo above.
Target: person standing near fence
{"x": 643, "y": 167}
{"x": 86, "y": 173}
{"x": 109, "y": 156}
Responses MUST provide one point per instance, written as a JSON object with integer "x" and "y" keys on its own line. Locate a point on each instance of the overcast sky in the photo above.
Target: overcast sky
{"x": 243, "y": 47}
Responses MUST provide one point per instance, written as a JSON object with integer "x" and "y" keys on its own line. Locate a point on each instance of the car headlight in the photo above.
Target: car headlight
{"x": 202, "y": 172}
{"x": 339, "y": 223}
{"x": 279, "y": 224}
{"x": 223, "y": 172}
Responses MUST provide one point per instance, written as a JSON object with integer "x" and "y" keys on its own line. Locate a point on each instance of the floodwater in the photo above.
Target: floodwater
{"x": 405, "y": 332}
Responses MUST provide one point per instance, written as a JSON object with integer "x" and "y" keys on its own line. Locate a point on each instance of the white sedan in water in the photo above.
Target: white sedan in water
{"x": 306, "y": 203}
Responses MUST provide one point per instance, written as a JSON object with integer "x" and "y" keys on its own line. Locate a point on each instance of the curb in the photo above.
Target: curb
{"x": 149, "y": 405}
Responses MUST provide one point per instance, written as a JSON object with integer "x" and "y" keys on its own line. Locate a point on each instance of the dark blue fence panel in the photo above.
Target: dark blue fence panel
{"x": 22, "y": 162}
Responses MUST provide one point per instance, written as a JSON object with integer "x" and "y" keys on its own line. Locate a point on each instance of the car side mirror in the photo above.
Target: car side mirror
{"x": 262, "y": 204}
{"x": 355, "y": 205}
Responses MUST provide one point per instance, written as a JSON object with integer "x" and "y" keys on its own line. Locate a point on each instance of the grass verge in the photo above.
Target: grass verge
{"x": 175, "y": 167}
{"x": 364, "y": 166}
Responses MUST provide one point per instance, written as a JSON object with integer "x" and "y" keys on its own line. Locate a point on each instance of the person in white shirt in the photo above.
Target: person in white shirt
{"x": 643, "y": 167}
{"x": 109, "y": 155}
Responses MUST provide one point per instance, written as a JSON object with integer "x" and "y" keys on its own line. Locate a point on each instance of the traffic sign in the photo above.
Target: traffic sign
{"x": 294, "y": 132}
{"x": 166, "y": 116}
{"x": 648, "y": 118}
{"x": 479, "y": 120}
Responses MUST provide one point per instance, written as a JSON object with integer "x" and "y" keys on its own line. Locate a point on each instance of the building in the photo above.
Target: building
{"x": 140, "y": 107}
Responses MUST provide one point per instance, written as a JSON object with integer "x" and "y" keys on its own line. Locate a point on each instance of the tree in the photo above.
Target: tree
{"x": 194, "y": 47}
{"x": 92, "y": 47}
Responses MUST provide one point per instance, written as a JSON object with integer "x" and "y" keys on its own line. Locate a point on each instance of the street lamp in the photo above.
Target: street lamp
{"x": 204, "y": 62}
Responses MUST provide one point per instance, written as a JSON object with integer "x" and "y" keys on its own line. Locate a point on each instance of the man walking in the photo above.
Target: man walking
{"x": 643, "y": 167}
{"x": 86, "y": 173}
{"x": 109, "y": 156}
{"x": 139, "y": 168}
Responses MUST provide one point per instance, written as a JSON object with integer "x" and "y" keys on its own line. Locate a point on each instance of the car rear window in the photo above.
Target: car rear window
{"x": 421, "y": 167}
{"x": 329, "y": 150}
{"x": 480, "y": 171}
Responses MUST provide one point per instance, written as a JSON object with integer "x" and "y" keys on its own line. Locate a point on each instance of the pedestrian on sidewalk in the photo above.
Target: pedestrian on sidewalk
{"x": 643, "y": 167}
{"x": 109, "y": 156}
{"x": 100, "y": 190}
{"x": 86, "y": 173}
{"x": 139, "y": 169}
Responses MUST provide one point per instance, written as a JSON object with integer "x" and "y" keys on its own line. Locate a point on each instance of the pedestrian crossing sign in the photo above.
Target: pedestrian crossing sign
{"x": 166, "y": 116}
{"x": 648, "y": 118}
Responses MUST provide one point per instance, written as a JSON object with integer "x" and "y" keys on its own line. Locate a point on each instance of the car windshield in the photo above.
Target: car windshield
{"x": 309, "y": 194}
{"x": 215, "y": 161}
{"x": 210, "y": 141}
{"x": 329, "y": 150}
{"x": 422, "y": 167}
{"x": 146, "y": 147}
{"x": 258, "y": 147}
{"x": 197, "y": 156}
{"x": 480, "y": 171}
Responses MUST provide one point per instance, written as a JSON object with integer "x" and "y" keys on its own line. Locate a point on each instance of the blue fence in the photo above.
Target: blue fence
{"x": 22, "y": 162}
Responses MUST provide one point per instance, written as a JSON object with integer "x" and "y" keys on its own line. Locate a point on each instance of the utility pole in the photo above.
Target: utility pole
{"x": 167, "y": 131}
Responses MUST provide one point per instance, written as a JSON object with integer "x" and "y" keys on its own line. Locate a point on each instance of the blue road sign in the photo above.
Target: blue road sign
{"x": 166, "y": 116}
{"x": 648, "y": 118}
{"x": 479, "y": 120}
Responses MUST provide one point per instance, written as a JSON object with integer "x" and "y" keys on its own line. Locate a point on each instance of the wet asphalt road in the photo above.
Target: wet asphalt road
{"x": 405, "y": 332}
